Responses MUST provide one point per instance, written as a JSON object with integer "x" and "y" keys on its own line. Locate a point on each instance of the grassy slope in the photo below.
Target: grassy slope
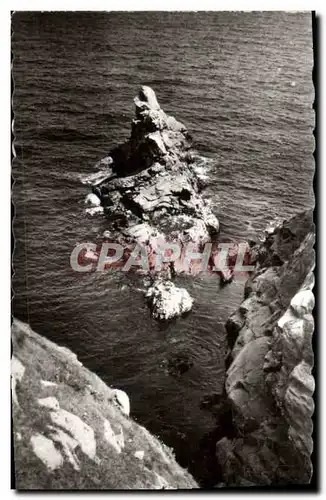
{"x": 82, "y": 393}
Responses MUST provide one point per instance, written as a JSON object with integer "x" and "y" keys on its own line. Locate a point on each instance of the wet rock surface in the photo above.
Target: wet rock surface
{"x": 269, "y": 384}
{"x": 71, "y": 431}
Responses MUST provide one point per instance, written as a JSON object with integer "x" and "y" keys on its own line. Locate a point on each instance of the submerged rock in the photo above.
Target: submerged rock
{"x": 167, "y": 301}
{"x": 152, "y": 178}
{"x": 226, "y": 277}
{"x": 269, "y": 382}
{"x": 179, "y": 363}
{"x": 71, "y": 431}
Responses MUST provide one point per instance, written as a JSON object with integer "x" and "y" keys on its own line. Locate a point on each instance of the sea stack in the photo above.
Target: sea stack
{"x": 168, "y": 301}
{"x": 151, "y": 188}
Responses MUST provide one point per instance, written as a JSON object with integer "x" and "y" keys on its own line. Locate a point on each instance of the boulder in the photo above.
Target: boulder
{"x": 167, "y": 301}
{"x": 92, "y": 200}
{"x": 121, "y": 399}
{"x": 269, "y": 383}
{"x": 303, "y": 303}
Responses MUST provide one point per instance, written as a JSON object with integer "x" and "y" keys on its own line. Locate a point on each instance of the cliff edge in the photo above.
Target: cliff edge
{"x": 269, "y": 383}
{"x": 71, "y": 431}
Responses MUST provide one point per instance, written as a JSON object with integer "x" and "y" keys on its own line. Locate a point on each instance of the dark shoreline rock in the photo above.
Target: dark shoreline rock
{"x": 179, "y": 363}
{"x": 269, "y": 383}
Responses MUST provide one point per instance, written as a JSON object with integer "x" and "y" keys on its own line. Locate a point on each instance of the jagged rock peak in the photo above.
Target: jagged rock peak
{"x": 150, "y": 118}
{"x": 146, "y": 99}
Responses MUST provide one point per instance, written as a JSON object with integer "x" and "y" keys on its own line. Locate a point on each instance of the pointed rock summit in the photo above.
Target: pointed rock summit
{"x": 155, "y": 135}
{"x": 149, "y": 185}
{"x": 146, "y": 99}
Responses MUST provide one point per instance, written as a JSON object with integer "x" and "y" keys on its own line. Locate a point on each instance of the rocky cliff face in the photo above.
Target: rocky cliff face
{"x": 269, "y": 384}
{"x": 150, "y": 187}
{"x": 71, "y": 431}
{"x": 150, "y": 190}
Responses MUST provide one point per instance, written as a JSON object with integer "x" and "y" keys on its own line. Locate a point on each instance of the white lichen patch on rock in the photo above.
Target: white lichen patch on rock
{"x": 139, "y": 454}
{"x": 49, "y": 402}
{"x": 81, "y": 432}
{"x": 68, "y": 444}
{"x": 303, "y": 303}
{"x": 45, "y": 450}
{"x": 48, "y": 383}
{"x": 94, "y": 210}
{"x": 17, "y": 369}
{"x": 17, "y": 373}
{"x": 168, "y": 301}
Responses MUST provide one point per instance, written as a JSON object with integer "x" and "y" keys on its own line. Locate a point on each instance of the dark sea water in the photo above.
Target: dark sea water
{"x": 242, "y": 84}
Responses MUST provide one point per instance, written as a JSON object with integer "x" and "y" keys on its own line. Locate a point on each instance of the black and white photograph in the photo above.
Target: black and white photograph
{"x": 163, "y": 270}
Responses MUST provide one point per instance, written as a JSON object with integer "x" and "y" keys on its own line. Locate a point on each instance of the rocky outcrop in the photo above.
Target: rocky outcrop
{"x": 269, "y": 383}
{"x": 71, "y": 431}
{"x": 152, "y": 183}
{"x": 168, "y": 301}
